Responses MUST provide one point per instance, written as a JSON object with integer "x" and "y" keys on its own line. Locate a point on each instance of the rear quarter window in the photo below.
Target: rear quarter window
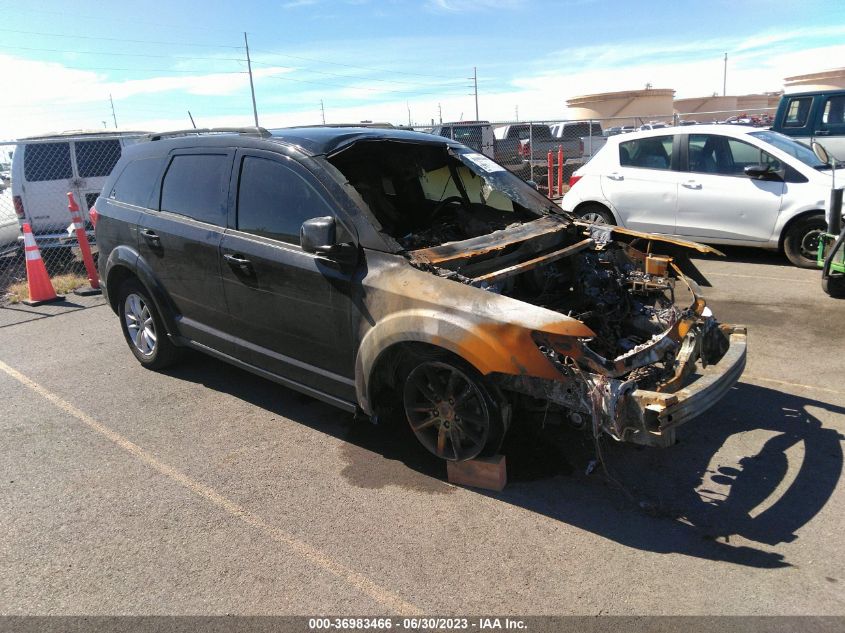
{"x": 797, "y": 112}
{"x": 47, "y": 161}
{"x": 137, "y": 181}
{"x": 196, "y": 186}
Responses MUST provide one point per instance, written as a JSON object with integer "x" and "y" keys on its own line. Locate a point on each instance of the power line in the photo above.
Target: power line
{"x": 389, "y": 81}
{"x": 325, "y": 61}
{"x": 118, "y": 39}
{"x": 110, "y": 53}
{"x": 323, "y": 83}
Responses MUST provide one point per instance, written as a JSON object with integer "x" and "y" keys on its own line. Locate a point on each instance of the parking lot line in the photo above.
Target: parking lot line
{"x": 787, "y": 279}
{"x": 391, "y": 601}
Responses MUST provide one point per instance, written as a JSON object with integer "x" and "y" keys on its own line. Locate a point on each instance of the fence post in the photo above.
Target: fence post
{"x": 530, "y": 151}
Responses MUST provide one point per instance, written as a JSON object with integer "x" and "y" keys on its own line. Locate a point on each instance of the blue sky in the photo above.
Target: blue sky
{"x": 378, "y": 60}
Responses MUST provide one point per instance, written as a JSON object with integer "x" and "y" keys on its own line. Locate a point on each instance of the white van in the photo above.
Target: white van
{"x": 45, "y": 168}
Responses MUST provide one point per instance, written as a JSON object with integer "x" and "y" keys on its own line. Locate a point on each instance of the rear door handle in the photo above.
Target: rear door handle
{"x": 691, "y": 184}
{"x": 238, "y": 261}
{"x": 822, "y": 132}
{"x": 616, "y": 176}
{"x": 151, "y": 237}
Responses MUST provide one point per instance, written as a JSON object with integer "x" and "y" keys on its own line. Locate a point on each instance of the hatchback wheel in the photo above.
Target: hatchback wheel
{"x": 143, "y": 328}
{"x": 451, "y": 411}
{"x": 596, "y": 213}
{"x": 801, "y": 243}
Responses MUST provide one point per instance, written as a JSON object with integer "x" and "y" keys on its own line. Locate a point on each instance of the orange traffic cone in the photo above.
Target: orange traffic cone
{"x": 40, "y": 288}
{"x": 85, "y": 248}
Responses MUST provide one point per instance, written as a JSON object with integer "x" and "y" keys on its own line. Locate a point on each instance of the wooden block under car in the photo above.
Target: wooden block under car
{"x": 490, "y": 473}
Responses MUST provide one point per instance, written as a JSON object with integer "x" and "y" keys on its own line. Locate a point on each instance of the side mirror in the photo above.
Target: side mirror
{"x": 821, "y": 152}
{"x": 318, "y": 235}
{"x": 763, "y": 172}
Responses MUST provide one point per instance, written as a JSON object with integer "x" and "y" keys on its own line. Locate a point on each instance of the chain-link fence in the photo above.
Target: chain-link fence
{"x": 36, "y": 176}
{"x": 530, "y": 148}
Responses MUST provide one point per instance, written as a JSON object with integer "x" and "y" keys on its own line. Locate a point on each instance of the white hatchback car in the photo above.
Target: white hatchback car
{"x": 715, "y": 184}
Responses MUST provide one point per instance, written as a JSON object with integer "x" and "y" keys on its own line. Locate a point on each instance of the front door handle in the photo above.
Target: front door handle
{"x": 238, "y": 261}
{"x": 691, "y": 184}
{"x": 616, "y": 176}
{"x": 151, "y": 237}
{"x": 822, "y": 132}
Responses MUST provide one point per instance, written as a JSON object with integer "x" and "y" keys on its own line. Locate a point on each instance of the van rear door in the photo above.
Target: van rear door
{"x": 94, "y": 160}
{"x": 47, "y": 177}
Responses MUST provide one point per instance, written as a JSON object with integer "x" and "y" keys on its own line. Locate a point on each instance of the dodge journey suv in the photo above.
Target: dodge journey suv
{"x": 397, "y": 273}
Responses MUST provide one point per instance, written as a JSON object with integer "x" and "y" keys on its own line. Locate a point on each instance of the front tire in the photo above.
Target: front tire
{"x": 596, "y": 213}
{"x": 801, "y": 242}
{"x": 452, "y": 410}
{"x": 143, "y": 327}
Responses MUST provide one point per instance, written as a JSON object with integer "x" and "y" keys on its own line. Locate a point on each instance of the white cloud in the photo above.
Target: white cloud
{"x": 460, "y": 6}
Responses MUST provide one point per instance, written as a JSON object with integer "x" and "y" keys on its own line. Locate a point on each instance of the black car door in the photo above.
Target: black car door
{"x": 289, "y": 310}
{"x": 180, "y": 242}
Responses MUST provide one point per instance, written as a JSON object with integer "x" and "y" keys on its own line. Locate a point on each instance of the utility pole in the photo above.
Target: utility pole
{"x": 725, "y": 77}
{"x": 114, "y": 116}
{"x": 251, "y": 85}
{"x": 322, "y": 112}
{"x": 440, "y": 112}
{"x": 408, "y": 105}
{"x": 475, "y": 86}
{"x": 516, "y": 112}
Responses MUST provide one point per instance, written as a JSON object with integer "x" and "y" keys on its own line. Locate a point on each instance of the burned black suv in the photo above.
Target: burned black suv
{"x": 387, "y": 271}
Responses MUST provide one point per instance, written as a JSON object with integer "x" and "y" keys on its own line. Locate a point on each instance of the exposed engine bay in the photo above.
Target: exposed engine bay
{"x": 460, "y": 216}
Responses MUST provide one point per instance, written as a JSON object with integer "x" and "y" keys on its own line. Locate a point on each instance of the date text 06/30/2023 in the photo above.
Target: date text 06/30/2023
{"x": 415, "y": 624}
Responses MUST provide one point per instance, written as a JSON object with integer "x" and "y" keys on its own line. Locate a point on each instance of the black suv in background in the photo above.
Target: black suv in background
{"x": 403, "y": 274}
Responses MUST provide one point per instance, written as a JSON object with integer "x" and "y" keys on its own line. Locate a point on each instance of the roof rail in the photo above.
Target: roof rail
{"x": 247, "y": 131}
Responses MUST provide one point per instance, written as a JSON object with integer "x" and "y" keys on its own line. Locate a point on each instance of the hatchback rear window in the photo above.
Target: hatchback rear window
{"x": 196, "y": 185}
{"x": 47, "y": 161}
{"x": 96, "y": 158}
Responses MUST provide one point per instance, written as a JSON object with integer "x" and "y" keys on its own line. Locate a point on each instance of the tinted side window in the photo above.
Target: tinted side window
{"x": 654, "y": 152}
{"x": 714, "y": 154}
{"x": 274, "y": 201}
{"x": 46, "y": 161}
{"x": 196, "y": 185}
{"x": 96, "y": 158}
{"x": 834, "y": 111}
{"x": 136, "y": 183}
{"x": 797, "y": 112}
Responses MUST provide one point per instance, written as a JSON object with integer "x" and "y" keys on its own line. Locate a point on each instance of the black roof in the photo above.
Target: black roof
{"x": 324, "y": 140}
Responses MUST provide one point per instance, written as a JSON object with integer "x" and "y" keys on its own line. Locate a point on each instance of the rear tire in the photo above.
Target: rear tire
{"x": 801, "y": 242}
{"x": 596, "y": 213}
{"x": 143, "y": 327}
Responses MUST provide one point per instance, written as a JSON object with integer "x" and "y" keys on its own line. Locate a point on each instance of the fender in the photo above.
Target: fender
{"x": 128, "y": 258}
{"x": 490, "y": 347}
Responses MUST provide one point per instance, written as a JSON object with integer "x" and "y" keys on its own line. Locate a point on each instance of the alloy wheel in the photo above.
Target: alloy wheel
{"x": 140, "y": 324}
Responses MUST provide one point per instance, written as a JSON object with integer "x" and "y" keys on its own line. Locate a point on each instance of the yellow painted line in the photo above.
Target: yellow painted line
{"x": 793, "y": 384}
{"x": 800, "y": 281}
{"x": 394, "y": 603}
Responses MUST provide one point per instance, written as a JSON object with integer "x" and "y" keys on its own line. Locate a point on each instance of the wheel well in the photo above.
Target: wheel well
{"x": 383, "y": 375}
{"x": 384, "y": 379}
{"x": 593, "y": 203}
{"x": 117, "y": 275}
{"x": 792, "y": 221}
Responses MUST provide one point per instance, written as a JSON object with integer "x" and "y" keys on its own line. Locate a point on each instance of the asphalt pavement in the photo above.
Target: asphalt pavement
{"x": 206, "y": 490}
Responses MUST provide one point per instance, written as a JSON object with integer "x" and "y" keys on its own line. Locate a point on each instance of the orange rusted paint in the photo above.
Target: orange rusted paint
{"x": 520, "y": 356}
{"x": 702, "y": 248}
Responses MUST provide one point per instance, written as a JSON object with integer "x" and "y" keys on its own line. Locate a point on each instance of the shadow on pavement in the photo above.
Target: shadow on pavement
{"x": 691, "y": 498}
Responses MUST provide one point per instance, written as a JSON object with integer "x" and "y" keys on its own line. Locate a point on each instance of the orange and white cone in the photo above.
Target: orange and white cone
{"x": 84, "y": 247}
{"x": 40, "y": 287}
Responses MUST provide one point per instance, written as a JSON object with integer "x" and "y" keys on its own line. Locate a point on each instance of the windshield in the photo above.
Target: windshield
{"x": 791, "y": 147}
{"x": 496, "y": 180}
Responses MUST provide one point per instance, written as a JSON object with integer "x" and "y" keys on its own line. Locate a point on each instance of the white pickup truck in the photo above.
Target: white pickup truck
{"x": 580, "y": 139}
